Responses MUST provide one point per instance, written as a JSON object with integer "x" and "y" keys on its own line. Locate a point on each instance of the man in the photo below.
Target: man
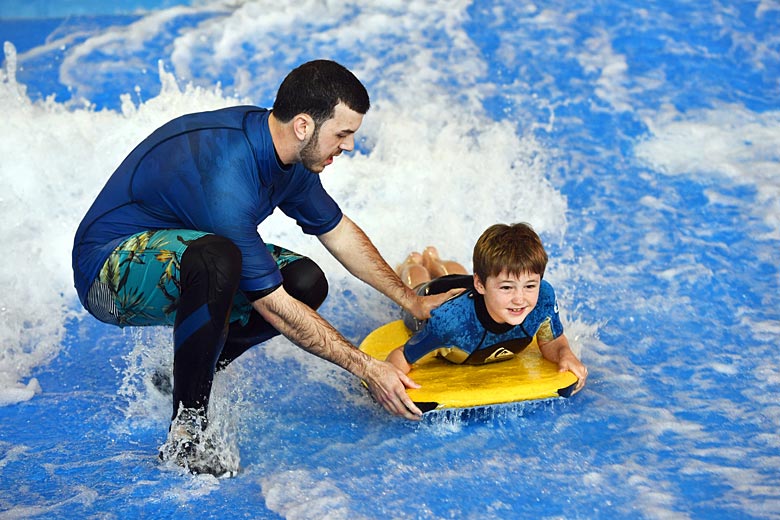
{"x": 172, "y": 239}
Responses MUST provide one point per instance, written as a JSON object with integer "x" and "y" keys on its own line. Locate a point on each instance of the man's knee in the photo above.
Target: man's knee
{"x": 213, "y": 256}
{"x": 305, "y": 281}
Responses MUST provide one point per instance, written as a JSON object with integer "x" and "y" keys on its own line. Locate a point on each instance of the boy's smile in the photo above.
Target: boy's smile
{"x": 509, "y": 298}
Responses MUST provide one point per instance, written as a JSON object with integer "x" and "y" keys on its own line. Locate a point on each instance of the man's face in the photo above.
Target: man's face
{"x": 509, "y": 298}
{"x": 332, "y": 137}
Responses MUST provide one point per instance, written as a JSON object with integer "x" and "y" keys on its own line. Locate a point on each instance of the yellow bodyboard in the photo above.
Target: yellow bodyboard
{"x": 527, "y": 376}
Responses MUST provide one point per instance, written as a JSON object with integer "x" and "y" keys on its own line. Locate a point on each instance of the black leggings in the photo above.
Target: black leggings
{"x": 203, "y": 340}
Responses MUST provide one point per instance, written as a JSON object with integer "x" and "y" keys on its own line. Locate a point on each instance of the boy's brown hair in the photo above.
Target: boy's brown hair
{"x": 515, "y": 248}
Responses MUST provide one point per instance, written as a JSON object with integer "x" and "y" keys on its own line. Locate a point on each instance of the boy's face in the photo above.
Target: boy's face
{"x": 509, "y": 298}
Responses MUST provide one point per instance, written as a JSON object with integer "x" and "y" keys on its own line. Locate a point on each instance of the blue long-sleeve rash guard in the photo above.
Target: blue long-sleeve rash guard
{"x": 462, "y": 331}
{"x": 215, "y": 172}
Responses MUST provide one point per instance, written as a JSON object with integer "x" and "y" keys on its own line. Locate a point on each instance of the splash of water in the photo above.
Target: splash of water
{"x": 55, "y": 157}
{"x": 65, "y": 151}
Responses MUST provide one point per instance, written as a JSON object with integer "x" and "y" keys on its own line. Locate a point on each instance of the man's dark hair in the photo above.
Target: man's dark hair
{"x": 315, "y": 88}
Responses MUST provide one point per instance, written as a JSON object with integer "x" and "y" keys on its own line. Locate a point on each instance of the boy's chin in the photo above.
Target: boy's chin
{"x": 514, "y": 320}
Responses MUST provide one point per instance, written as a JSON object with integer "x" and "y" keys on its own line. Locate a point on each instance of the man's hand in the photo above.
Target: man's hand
{"x": 350, "y": 246}
{"x": 388, "y": 386}
{"x": 307, "y": 329}
{"x": 422, "y": 306}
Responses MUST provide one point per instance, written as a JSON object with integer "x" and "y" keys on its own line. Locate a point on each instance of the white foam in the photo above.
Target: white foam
{"x": 301, "y": 494}
{"x": 611, "y": 68}
{"x": 126, "y": 44}
{"x": 54, "y": 159}
{"x": 438, "y": 170}
{"x": 765, "y": 6}
{"x": 433, "y": 170}
{"x": 727, "y": 142}
{"x": 428, "y": 157}
{"x": 12, "y": 391}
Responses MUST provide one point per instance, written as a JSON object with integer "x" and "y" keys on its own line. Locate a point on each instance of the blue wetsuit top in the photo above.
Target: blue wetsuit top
{"x": 216, "y": 172}
{"x": 462, "y": 331}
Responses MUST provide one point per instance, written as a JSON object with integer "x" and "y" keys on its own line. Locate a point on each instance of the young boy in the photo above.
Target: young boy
{"x": 506, "y": 303}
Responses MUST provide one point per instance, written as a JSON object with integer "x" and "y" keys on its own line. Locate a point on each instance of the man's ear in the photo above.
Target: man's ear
{"x": 303, "y": 126}
{"x": 478, "y": 285}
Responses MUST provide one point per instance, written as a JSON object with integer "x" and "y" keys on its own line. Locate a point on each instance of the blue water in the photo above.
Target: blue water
{"x": 643, "y": 142}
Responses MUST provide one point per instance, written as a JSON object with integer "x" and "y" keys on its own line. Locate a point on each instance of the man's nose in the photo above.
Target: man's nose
{"x": 348, "y": 144}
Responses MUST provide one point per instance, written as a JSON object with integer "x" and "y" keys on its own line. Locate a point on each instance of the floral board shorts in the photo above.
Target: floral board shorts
{"x": 139, "y": 282}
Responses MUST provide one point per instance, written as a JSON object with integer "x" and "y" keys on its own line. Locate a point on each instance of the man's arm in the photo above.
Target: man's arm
{"x": 350, "y": 246}
{"x": 307, "y": 329}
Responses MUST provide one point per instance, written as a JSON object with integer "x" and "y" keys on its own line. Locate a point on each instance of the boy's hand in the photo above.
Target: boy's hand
{"x": 559, "y": 352}
{"x": 570, "y": 362}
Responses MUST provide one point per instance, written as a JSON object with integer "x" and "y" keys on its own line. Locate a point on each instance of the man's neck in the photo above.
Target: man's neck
{"x": 284, "y": 142}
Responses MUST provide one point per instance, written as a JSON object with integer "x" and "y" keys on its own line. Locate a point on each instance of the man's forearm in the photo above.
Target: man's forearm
{"x": 355, "y": 251}
{"x": 307, "y": 329}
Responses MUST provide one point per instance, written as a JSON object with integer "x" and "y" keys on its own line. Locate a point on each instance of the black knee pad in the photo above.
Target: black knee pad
{"x": 210, "y": 274}
{"x": 213, "y": 256}
{"x": 305, "y": 281}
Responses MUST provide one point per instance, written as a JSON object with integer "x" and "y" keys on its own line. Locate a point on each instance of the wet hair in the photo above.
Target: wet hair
{"x": 515, "y": 248}
{"x": 315, "y": 88}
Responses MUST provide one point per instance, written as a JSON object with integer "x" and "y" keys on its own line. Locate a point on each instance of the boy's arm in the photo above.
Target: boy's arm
{"x": 397, "y": 358}
{"x": 559, "y": 352}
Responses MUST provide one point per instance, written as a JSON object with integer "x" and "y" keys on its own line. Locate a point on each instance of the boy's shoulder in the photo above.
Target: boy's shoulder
{"x": 457, "y": 310}
{"x": 465, "y": 298}
{"x": 547, "y": 299}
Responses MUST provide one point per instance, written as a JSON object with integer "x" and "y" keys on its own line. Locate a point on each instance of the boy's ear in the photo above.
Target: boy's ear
{"x": 478, "y": 285}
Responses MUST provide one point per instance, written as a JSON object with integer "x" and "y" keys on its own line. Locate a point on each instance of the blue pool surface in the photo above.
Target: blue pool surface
{"x": 641, "y": 141}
